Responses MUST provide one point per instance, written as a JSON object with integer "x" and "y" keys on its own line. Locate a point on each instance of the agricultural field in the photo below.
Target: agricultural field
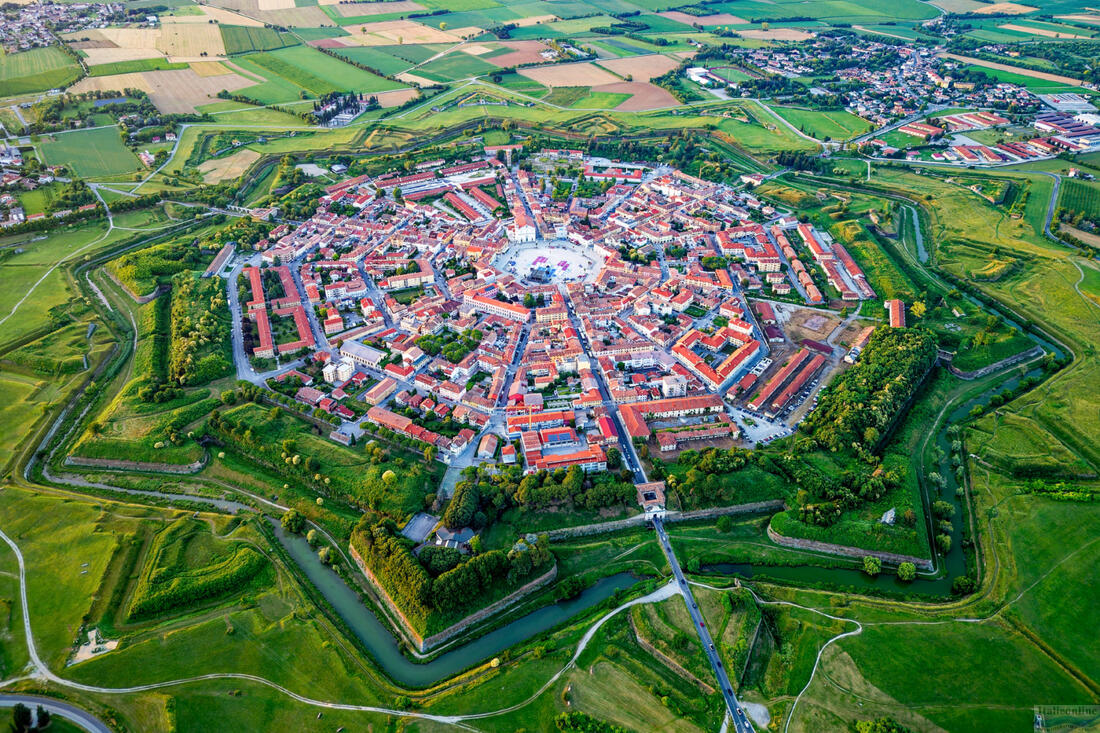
{"x": 95, "y": 153}
{"x": 316, "y": 73}
{"x": 37, "y": 70}
{"x": 244, "y": 39}
{"x": 1080, "y": 197}
{"x": 824, "y": 125}
{"x": 201, "y": 514}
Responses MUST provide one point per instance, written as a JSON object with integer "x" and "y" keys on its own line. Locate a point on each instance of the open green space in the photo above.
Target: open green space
{"x": 36, "y": 70}
{"x": 137, "y": 65}
{"x": 95, "y": 153}
{"x": 824, "y": 124}
{"x": 244, "y": 39}
{"x": 317, "y": 73}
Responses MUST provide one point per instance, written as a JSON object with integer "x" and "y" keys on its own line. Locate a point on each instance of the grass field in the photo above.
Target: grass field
{"x": 376, "y": 58}
{"x": 455, "y": 66}
{"x": 36, "y": 70}
{"x": 824, "y": 125}
{"x": 600, "y": 100}
{"x": 95, "y": 153}
{"x": 243, "y": 39}
{"x": 1081, "y": 197}
{"x": 19, "y": 409}
{"x": 129, "y": 67}
{"x": 309, "y": 69}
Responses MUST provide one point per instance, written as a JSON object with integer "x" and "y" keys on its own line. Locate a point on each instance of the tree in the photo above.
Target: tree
{"x": 918, "y": 309}
{"x": 293, "y": 521}
{"x": 389, "y": 477}
{"x": 943, "y": 543}
{"x": 21, "y": 718}
{"x": 872, "y": 565}
{"x": 42, "y": 718}
{"x": 907, "y": 571}
{"x": 311, "y": 537}
{"x": 325, "y": 555}
{"x": 614, "y": 459}
{"x": 429, "y": 453}
{"x": 725, "y": 524}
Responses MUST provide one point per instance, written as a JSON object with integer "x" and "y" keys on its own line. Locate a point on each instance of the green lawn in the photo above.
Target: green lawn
{"x": 95, "y": 153}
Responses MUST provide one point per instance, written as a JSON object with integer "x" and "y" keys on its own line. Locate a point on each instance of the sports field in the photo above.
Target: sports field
{"x": 36, "y": 70}
{"x": 90, "y": 153}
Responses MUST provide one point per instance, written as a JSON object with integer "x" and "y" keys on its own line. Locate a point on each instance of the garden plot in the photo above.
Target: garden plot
{"x": 641, "y": 68}
{"x": 571, "y": 75}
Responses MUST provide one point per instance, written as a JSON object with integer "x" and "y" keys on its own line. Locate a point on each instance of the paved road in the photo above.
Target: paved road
{"x": 626, "y": 447}
{"x": 84, "y": 719}
{"x": 741, "y": 722}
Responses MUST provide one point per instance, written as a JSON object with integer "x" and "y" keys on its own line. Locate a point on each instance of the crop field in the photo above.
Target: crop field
{"x": 455, "y": 66}
{"x": 374, "y": 57}
{"x": 317, "y": 73}
{"x": 600, "y": 100}
{"x": 137, "y": 65}
{"x": 517, "y": 53}
{"x": 91, "y": 153}
{"x": 570, "y": 75}
{"x": 36, "y": 70}
{"x": 641, "y": 68}
{"x": 1081, "y": 197}
{"x": 398, "y": 32}
{"x": 1018, "y": 75}
{"x": 834, "y": 125}
{"x": 243, "y": 39}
